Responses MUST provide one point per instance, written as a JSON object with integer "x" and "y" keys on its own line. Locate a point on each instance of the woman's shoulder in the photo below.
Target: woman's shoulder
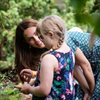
{"x": 77, "y": 35}
{"x": 76, "y": 39}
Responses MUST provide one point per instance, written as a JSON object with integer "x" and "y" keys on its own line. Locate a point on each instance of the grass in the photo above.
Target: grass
{"x": 7, "y": 89}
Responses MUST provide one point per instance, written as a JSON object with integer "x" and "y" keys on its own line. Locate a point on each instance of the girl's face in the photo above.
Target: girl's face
{"x": 32, "y": 39}
{"x": 47, "y": 40}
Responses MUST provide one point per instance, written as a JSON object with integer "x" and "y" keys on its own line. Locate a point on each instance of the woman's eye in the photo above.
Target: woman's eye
{"x": 41, "y": 37}
{"x": 29, "y": 39}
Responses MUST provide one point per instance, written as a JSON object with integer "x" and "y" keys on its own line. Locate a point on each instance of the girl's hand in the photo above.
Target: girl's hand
{"x": 26, "y": 75}
{"x": 25, "y": 88}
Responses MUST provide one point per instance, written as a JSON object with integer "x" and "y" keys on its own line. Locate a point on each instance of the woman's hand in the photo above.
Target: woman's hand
{"x": 26, "y": 75}
{"x": 86, "y": 96}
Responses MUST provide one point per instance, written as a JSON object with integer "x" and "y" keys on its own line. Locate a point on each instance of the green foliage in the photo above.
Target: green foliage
{"x": 7, "y": 90}
{"x": 13, "y": 11}
{"x": 85, "y": 13}
{"x": 9, "y": 93}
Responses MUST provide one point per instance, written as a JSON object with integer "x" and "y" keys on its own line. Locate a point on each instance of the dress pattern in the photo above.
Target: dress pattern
{"x": 63, "y": 84}
{"x": 81, "y": 40}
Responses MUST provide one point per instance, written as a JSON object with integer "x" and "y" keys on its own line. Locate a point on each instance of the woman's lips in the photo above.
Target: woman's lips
{"x": 38, "y": 43}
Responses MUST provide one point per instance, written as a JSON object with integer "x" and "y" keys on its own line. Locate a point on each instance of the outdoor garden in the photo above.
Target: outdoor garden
{"x": 81, "y": 13}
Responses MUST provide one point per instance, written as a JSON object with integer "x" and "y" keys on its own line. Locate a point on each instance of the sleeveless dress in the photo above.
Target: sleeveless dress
{"x": 63, "y": 85}
{"x": 81, "y": 40}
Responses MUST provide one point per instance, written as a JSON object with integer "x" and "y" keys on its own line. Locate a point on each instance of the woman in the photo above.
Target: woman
{"x": 28, "y": 53}
{"x": 82, "y": 40}
{"x": 27, "y": 56}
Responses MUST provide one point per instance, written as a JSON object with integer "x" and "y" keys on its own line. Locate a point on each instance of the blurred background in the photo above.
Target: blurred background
{"x": 81, "y": 13}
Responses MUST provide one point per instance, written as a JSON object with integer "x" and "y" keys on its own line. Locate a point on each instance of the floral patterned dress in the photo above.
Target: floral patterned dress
{"x": 63, "y": 84}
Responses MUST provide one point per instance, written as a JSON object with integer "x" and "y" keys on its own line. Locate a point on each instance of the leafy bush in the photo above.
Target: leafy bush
{"x": 13, "y": 11}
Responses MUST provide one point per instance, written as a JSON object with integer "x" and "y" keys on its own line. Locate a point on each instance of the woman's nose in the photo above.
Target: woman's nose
{"x": 35, "y": 37}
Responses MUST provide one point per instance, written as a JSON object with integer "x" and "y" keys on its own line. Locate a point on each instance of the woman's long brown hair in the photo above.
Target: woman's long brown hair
{"x": 25, "y": 55}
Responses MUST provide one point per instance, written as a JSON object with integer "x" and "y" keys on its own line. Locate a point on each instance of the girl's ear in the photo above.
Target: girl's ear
{"x": 50, "y": 33}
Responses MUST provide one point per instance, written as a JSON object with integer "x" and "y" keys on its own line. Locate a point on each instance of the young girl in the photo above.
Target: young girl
{"x": 55, "y": 76}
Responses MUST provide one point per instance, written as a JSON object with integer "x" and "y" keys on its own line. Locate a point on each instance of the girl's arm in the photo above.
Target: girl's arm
{"x": 82, "y": 61}
{"x": 48, "y": 64}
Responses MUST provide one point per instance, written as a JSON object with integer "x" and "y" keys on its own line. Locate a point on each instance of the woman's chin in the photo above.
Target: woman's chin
{"x": 42, "y": 46}
{"x": 39, "y": 46}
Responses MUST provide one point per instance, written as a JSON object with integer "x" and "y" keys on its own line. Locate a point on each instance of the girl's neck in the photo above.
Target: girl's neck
{"x": 63, "y": 48}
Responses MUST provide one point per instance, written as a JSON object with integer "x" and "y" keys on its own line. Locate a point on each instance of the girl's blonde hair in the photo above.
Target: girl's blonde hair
{"x": 54, "y": 24}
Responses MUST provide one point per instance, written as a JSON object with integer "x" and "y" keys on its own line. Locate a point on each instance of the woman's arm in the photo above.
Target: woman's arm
{"x": 82, "y": 61}
{"x": 79, "y": 76}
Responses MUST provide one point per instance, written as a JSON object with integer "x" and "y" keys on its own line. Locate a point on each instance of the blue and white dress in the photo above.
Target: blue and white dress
{"x": 81, "y": 40}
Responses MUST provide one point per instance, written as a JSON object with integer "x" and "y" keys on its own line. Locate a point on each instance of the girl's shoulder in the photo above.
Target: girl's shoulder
{"x": 49, "y": 59}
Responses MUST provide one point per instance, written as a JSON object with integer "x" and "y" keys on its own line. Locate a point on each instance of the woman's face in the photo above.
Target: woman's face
{"x": 46, "y": 39}
{"x": 32, "y": 39}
